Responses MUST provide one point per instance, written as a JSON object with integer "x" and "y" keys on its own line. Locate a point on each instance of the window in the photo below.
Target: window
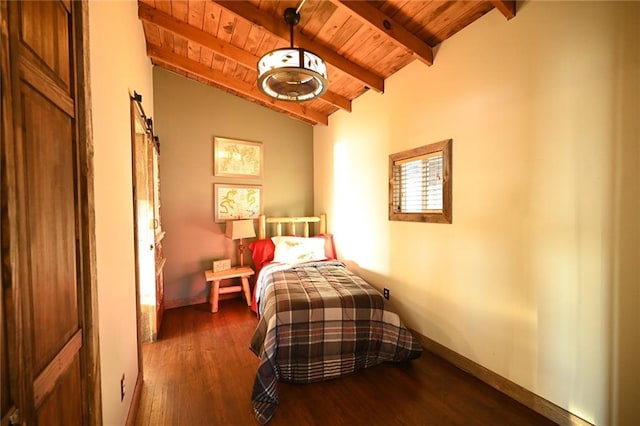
{"x": 420, "y": 184}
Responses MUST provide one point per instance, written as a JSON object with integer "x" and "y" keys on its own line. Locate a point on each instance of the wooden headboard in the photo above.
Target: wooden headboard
{"x": 291, "y": 223}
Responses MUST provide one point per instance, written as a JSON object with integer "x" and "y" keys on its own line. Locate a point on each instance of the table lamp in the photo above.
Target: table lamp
{"x": 239, "y": 229}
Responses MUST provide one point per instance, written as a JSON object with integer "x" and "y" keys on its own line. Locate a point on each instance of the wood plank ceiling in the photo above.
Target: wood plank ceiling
{"x": 363, "y": 42}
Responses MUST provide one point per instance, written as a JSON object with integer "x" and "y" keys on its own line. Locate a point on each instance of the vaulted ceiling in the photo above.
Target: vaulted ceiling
{"x": 363, "y": 42}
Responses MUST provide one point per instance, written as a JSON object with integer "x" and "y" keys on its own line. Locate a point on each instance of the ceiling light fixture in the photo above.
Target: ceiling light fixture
{"x": 292, "y": 73}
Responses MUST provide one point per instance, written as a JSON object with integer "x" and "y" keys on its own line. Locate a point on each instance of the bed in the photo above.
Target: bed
{"x": 317, "y": 320}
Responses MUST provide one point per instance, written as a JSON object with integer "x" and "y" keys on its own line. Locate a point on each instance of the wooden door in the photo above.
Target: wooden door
{"x": 148, "y": 229}
{"x": 159, "y": 258}
{"x": 49, "y": 345}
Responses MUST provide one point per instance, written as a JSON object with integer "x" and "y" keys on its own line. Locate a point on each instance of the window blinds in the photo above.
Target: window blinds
{"x": 418, "y": 184}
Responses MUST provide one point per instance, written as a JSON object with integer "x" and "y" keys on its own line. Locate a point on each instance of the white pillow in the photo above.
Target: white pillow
{"x": 298, "y": 249}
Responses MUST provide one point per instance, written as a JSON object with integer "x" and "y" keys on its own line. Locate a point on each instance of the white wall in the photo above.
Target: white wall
{"x": 118, "y": 67}
{"x": 536, "y": 279}
{"x": 188, "y": 116}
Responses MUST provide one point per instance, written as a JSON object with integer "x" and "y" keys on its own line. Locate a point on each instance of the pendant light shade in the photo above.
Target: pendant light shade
{"x": 291, "y": 73}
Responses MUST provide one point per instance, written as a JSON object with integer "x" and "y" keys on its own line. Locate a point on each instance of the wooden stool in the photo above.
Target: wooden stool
{"x": 241, "y": 272}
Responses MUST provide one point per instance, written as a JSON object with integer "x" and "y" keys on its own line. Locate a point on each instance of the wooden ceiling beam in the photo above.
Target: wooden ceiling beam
{"x": 506, "y": 7}
{"x": 279, "y": 28}
{"x": 336, "y": 100}
{"x": 154, "y": 16}
{"x": 387, "y": 26}
{"x": 181, "y": 62}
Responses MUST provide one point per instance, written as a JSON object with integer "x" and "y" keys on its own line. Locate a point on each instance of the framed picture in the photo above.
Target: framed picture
{"x": 237, "y": 201}
{"x": 235, "y": 158}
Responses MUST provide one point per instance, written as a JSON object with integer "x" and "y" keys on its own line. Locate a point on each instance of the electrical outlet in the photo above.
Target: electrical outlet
{"x": 123, "y": 390}
{"x": 385, "y": 293}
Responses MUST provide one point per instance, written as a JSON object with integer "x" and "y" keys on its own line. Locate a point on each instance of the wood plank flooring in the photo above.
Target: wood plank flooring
{"x": 201, "y": 372}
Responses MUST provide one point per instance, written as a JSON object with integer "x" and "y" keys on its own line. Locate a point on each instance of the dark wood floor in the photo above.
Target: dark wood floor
{"x": 201, "y": 372}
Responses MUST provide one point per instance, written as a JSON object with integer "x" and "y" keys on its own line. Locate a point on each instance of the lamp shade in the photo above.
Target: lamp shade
{"x": 237, "y": 229}
{"x": 292, "y": 73}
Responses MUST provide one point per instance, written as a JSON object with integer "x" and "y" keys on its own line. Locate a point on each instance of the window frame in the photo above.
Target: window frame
{"x": 437, "y": 216}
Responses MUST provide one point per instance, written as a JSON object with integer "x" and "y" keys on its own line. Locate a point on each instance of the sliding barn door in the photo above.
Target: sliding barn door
{"x": 48, "y": 371}
{"x": 148, "y": 228}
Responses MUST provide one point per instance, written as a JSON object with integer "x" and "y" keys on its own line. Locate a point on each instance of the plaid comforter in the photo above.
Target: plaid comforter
{"x": 320, "y": 321}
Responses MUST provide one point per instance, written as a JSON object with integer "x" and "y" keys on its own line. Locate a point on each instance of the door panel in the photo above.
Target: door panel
{"x": 145, "y": 237}
{"x": 147, "y": 225}
{"x": 47, "y": 171}
{"x": 43, "y": 254}
{"x": 51, "y": 218}
{"x": 45, "y": 33}
{"x": 65, "y": 392}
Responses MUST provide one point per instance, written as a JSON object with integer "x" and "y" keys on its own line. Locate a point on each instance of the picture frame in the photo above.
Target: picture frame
{"x": 237, "y": 158}
{"x": 237, "y": 201}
